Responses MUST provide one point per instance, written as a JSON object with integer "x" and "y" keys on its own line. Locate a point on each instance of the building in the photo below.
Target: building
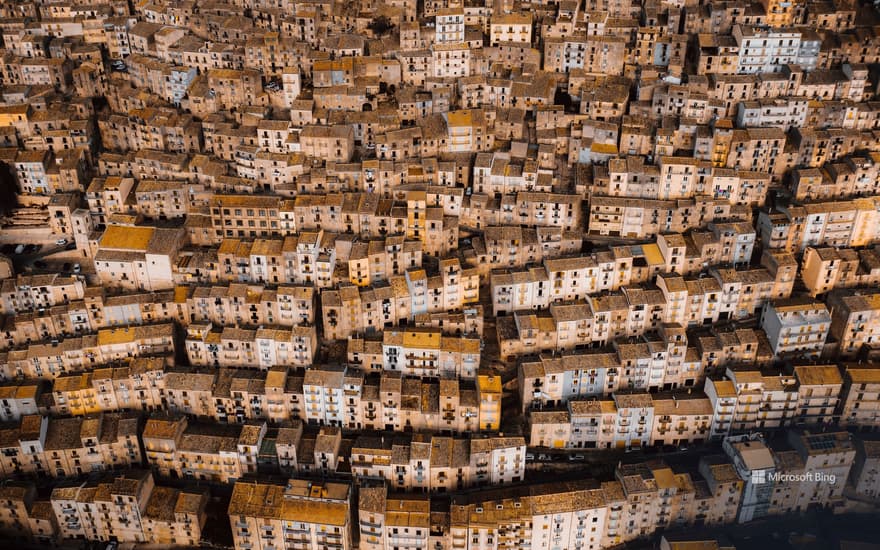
{"x": 755, "y": 465}
{"x": 181, "y": 449}
{"x": 814, "y": 472}
{"x": 312, "y": 515}
{"x": 860, "y": 396}
{"x": 853, "y": 323}
{"x": 129, "y": 507}
{"x": 138, "y": 257}
{"x": 865, "y": 475}
{"x": 796, "y": 327}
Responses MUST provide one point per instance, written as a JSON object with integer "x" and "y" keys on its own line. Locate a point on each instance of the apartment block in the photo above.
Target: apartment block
{"x": 239, "y": 216}
{"x": 27, "y": 292}
{"x": 578, "y": 512}
{"x": 310, "y": 514}
{"x": 514, "y": 247}
{"x": 796, "y": 327}
{"x": 334, "y": 396}
{"x": 286, "y": 305}
{"x": 15, "y": 514}
{"x": 19, "y": 399}
{"x": 129, "y": 507}
{"x": 848, "y": 177}
{"x": 49, "y": 360}
{"x": 439, "y": 464}
{"x": 623, "y": 420}
{"x": 828, "y": 456}
{"x": 770, "y": 50}
{"x": 864, "y": 474}
{"x": 602, "y": 318}
{"x": 675, "y": 178}
{"x": 860, "y": 397}
{"x": 352, "y": 310}
{"x": 418, "y": 352}
{"x": 639, "y": 218}
{"x": 63, "y": 447}
{"x": 264, "y": 348}
{"x": 835, "y": 223}
{"x": 745, "y": 399}
{"x": 135, "y": 386}
{"x": 526, "y": 208}
{"x": 387, "y": 520}
{"x": 853, "y": 323}
{"x": 826, "y": 268}
{"x": 181, "y": 449}
{"x": 753, "y": 461}
{"x": 138, "y": 257}
{"x": 661, "y": 362}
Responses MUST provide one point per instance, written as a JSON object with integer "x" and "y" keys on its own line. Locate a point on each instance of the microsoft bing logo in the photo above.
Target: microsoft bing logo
{"x": 759, "y": 477}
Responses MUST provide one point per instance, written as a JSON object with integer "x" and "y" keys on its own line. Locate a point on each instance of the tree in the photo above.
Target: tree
{"x": 380, "y": 25}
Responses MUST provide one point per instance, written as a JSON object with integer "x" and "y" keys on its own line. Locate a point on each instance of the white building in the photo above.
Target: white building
{"x": 324, "y": 395}
{"x": 772, "y": 112}
{"x": 754, "y": 464}
{"x": 796, "y": 327}
{"x": 770, "y": 50}
{"x": 449, "y": 26}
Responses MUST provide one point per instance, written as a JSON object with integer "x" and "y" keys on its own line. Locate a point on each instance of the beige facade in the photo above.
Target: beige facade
{"x": 828, "y": 457}
{"x": 314, "y": 515}
{"x": 624, "y": 420}
{"x": 129, "y": 508}
{"x": 860, "y": 398}
{"x": 138, "y": 257}
{"x": 212, "y": 452}
{"x": 352, "y": 310}
{"x": 229, "y": 346}
{"x": 865, "y": 478}
{"x": 638, "y": 218}
{"x": 854, "y": 322}
{"x": 438, "y": 463}
{"x": 421, "y": 352}
{"x": 62, "y": 447}
{"x": 602, "y": 318}
{"x": 76, "y": 354}
{"x": 133, "y": 387}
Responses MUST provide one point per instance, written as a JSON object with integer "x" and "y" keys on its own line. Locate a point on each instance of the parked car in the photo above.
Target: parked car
{"x": 65, "y": 267}
{"x": 19, "y": 249}
{"x": 61, "y": 242}
{"x": 576, "y": 458}
{"x": 76, "y": 268}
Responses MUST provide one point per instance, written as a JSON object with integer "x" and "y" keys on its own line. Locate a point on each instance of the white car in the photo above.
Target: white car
{"x": 61, "y": 242}
{"x": 76, "y": 268}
